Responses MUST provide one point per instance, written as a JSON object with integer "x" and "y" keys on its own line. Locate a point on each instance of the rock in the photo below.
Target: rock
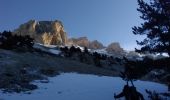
{"x": 81, "y": 41}
{"x": 46, "y": 32}
{"x": 95, "y": 45}
{"x": 84, "y": 42}
{"x": 115, "y": 48}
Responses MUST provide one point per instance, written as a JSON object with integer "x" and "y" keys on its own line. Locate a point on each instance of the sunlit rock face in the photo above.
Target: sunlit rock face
{"x": 84, "y": 42}
{"x": 81, "y": 41}
{"x": 46, "y": 32}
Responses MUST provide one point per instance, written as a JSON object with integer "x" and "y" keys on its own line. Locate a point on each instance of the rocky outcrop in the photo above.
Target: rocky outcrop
{"x": 95, "y": 45}
{"x": 81, "y": 41}
{"x": 115, "y": 48}
{"x": 84, "y": 42}
{"x": 46, "y": 32}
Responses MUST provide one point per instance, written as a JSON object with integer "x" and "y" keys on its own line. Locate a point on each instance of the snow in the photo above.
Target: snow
{"x": 72, "y": 86}
{"x": 76, "y": 46}
{"x": 53, "y": 51}
{"x": 47, "y": 48}
{"x": 51, "y": 46}
{"x": 81, "y": 48}
{"x": 101, "y": 51}
{"x": 39, "y": 46}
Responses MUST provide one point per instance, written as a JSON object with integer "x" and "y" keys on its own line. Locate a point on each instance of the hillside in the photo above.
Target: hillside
{"x": 23, "y": 61}
{"x": 20, "y": 72}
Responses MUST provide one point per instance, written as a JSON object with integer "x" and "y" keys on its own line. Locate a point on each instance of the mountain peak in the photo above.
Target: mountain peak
{"x": 46, "y": 32}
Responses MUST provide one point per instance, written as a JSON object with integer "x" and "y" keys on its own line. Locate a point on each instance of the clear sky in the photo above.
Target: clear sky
{"x": 104, "y": 20}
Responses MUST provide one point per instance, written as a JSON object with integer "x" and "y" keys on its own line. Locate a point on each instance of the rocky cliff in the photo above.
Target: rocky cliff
{"x": 95, "y": 45}
{"x": 52, "y": 33}
{"x": 84, "y": 42}
{"x": 81, "y": 41}
{"x": 115, "y": 48}
{"x": 46, "y": 32}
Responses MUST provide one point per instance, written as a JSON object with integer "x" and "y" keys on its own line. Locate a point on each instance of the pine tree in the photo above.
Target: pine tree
{"x": 156, "y": 26}
{"x": 9, "y": 41}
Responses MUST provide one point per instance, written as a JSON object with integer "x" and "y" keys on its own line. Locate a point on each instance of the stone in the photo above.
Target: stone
{"x": 115, "y": 48}
{"x": 95, "y": 45}
{"x": 45, "y": 32}
{"x": 81, "y": 41}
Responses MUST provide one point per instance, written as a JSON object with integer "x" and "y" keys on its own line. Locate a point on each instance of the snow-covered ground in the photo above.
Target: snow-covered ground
{"x": 72, "y": 86}
{"x": 47, "y": 48}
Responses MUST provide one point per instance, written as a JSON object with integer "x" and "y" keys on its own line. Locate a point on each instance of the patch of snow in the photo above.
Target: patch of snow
{"x": 51, "y": 46}
{"x": 72, "y": 86}
{"x": 42, "y": 45}
{"x": 157, "y": 72}
{"x": 39, "y": 46}
{"x": 76, "y": 46}
{"x": 101, "y": 51}
{"x": 53, "y": 51}
{"x": 165, "y": 54}
{"x": 50, "y": 49}
{"x": 82, "y": 48}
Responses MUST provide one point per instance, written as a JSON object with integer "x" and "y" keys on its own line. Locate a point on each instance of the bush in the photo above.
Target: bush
{"x": 9, "y": 41}
{"x": 70, "y": 52}
{"x": 136, "y": 69}
{"x": 96, "y": 59}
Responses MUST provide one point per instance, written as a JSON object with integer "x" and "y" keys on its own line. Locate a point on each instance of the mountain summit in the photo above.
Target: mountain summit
{"x": 46, "y": 32}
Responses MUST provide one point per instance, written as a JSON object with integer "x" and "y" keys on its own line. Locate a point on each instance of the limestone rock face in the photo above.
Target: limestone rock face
{"x": 114, "y": 48}
{"x": 84, "y": 42}
{"x": 81, "y": 41}
{"x": 95, "y": 45}
{"x": 46, "y": 32}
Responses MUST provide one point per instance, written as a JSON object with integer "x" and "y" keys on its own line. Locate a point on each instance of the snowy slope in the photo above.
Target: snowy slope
{"x": 47, "y": 48}
{"x": 72, "y": 86}
{"x": 101, "y": 51}
{"x": 54, "y": 49}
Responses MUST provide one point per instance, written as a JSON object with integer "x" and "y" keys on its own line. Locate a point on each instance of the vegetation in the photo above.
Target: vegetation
{"x": 156, "y": 26}
{"x": 10, "y": 41}
{"x": 86, "y": 57}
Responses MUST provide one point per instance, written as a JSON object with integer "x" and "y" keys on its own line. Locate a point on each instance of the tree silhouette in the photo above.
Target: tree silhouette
{"x": 96, "y": 59}
{"x": 86, "y": 50}
{"x": 156, "y": 26}
{"x": 9, "y": 41}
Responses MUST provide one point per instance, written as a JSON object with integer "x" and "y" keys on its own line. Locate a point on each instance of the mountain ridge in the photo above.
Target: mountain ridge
{"x": 53, "y": 33}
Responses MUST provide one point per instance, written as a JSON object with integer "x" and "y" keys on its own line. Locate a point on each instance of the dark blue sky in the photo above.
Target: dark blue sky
{"x": 104, "y": 20}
